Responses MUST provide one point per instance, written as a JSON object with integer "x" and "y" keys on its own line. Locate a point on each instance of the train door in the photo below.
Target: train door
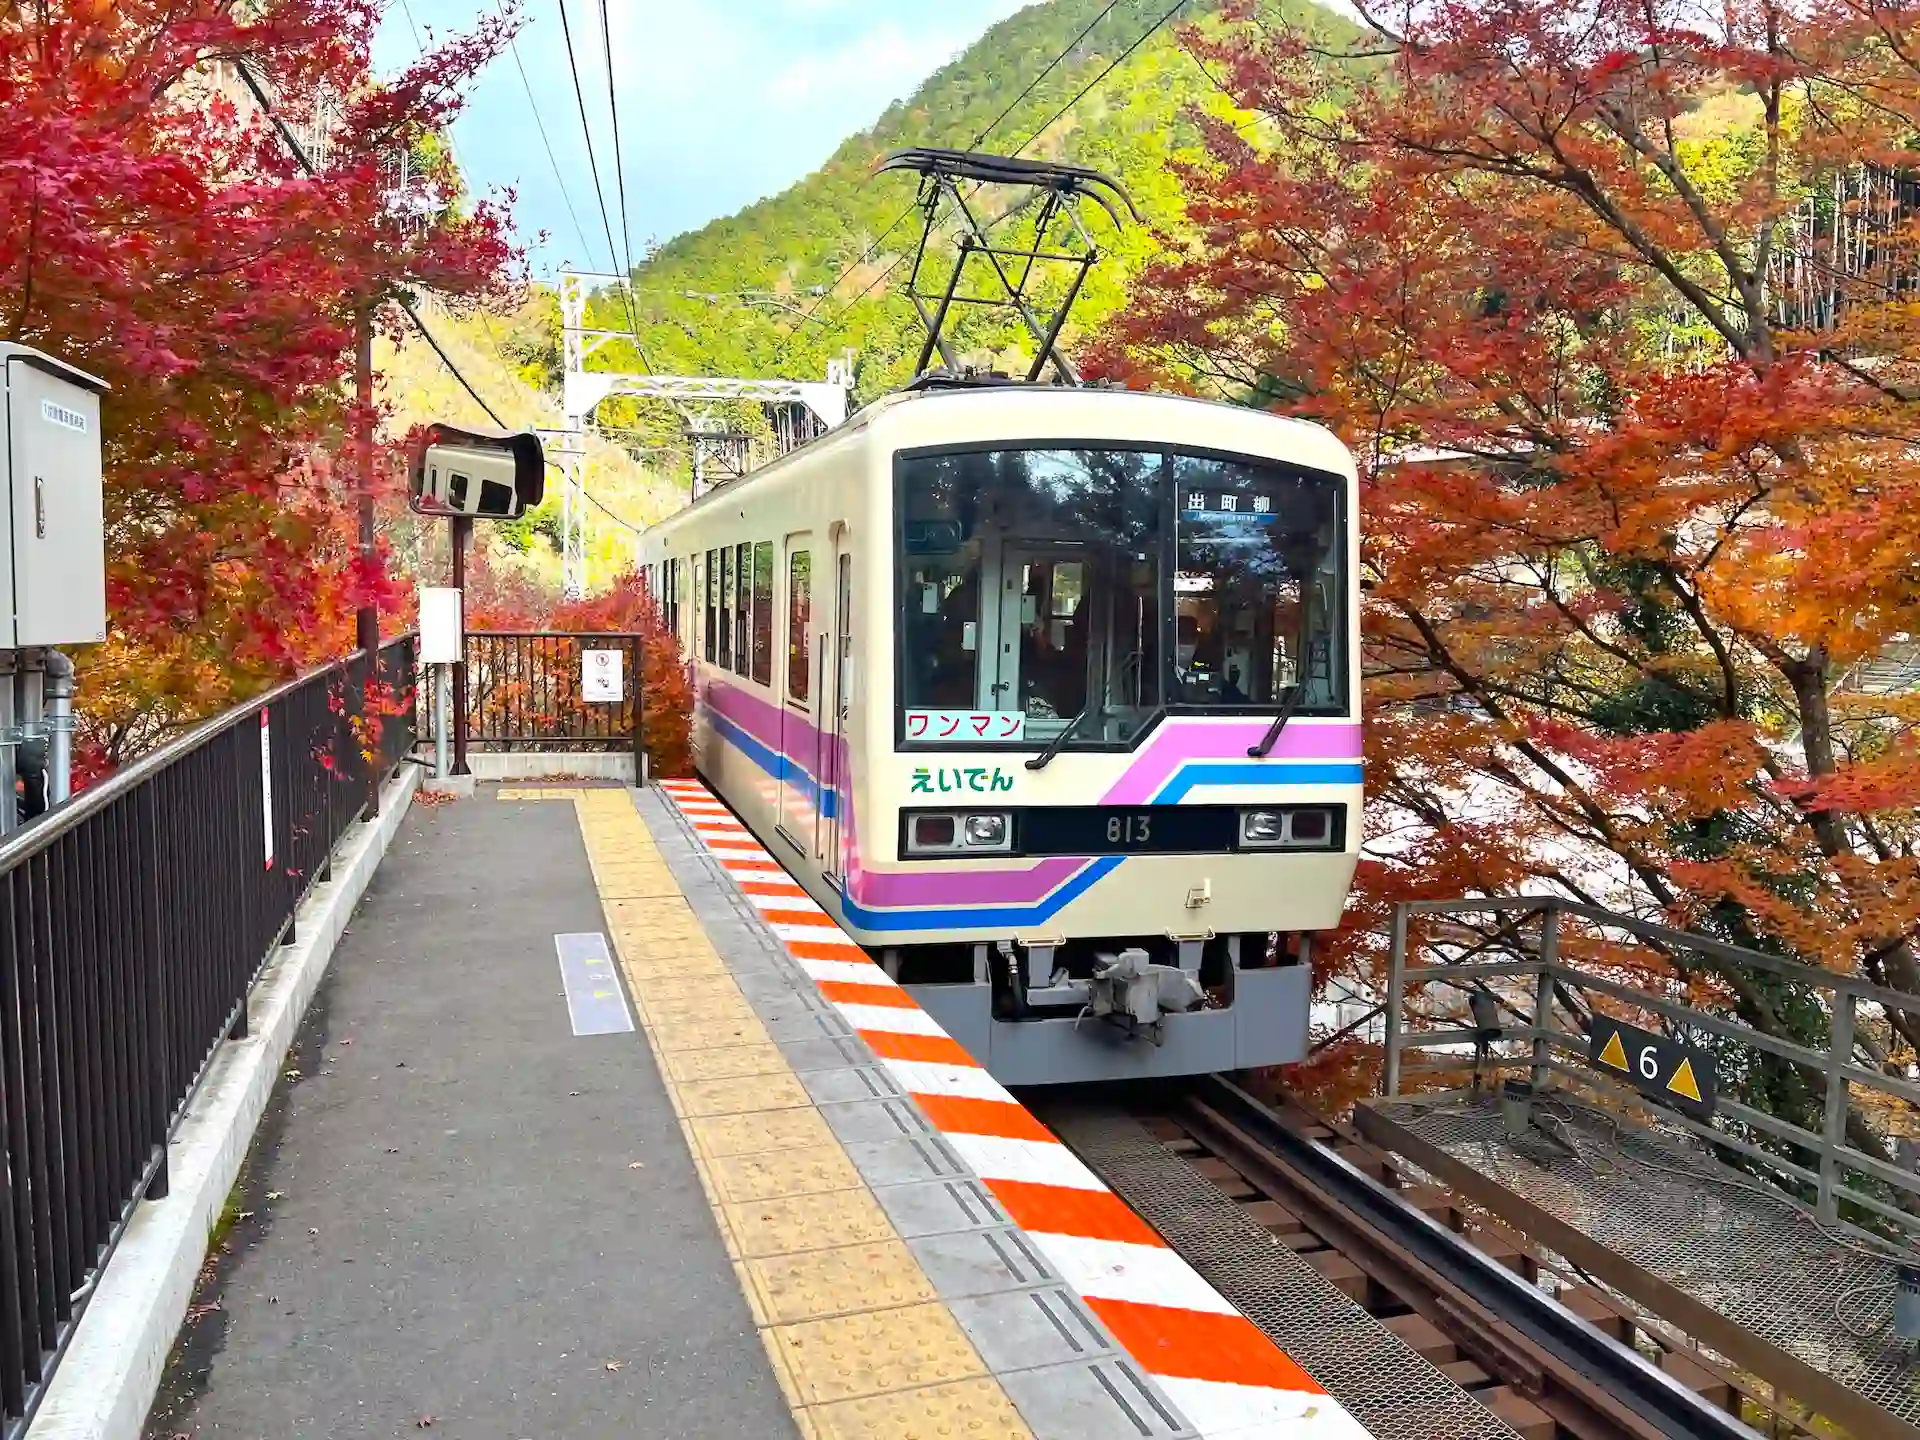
{"x": 830, "y": 834}
{"x": 699, "y": 634}
{"x": 801, "y": 713}
{"x": 1039, "y": 636}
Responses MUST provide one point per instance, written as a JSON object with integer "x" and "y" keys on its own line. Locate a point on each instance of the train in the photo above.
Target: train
{"x": 1049, "y": 695}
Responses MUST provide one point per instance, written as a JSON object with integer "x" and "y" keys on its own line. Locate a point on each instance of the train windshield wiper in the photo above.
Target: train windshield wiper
{"x": 1267, "y": 741}
{"x": 1055, "y": 745}
{"x": 1058, "y": 743}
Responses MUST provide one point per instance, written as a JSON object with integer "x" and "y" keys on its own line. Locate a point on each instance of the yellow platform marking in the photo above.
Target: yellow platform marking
{"x": 858, "y": 1341}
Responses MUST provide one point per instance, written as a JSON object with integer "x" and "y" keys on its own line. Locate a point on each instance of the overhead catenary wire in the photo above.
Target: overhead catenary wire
{"x": 305, "y": 161}
{"x": 539, "y": 124}
{"x": 586, "y": 131}
{"x": 566, "y": 196}
{"x": 619, "y": 166}
{"x": 599, "y": 190}
{"x": 978, "y": 140}
{"x": 1052, "y": 120}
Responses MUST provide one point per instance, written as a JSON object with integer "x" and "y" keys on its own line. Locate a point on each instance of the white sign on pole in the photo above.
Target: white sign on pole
{"x": 600, "y": 675}
{"x": 440, "y": 628}
{"x": 266, "y": 786}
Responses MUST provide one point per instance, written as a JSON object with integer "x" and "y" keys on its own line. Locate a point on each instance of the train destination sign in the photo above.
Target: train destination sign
{"x": 1663, "y": 1069}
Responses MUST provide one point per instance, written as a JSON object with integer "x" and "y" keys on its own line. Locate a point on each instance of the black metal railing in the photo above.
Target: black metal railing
{"x": 529, "y": 691}
{"x": 133, "y": 921}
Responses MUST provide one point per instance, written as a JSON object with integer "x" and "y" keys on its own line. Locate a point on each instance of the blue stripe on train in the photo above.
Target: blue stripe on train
{"x": 1191, "y": 775}
{"x": 780, "y": 767}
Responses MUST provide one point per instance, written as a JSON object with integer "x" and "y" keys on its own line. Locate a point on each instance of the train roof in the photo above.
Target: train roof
{"x": 1075, "y": 413}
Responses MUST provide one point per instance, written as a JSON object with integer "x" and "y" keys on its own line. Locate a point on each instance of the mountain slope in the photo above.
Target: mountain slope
{"x": 824, "y": 241}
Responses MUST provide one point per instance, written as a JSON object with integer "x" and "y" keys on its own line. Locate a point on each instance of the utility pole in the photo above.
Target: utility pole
{"x": 461, "y": 531}
{"x": 367, "y": 621}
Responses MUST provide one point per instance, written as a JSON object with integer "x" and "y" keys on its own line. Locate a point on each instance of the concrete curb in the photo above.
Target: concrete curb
{"x": 536, "y": 764}
{"x": 111, "y": 1372}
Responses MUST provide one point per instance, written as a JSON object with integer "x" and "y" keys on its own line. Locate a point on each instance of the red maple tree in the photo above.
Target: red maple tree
{"x": 158, "y": 230}
{"x": 1613, "y": 303}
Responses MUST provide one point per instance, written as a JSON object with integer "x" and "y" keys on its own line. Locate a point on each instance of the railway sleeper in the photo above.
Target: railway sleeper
{"x": 1526, "y": 1415}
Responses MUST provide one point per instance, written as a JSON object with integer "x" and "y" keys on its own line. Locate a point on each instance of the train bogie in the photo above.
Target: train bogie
{"x": 1050, "y": 697}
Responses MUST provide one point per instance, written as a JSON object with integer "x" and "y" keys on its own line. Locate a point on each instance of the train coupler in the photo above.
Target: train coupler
{"x": 1130, "y": 989}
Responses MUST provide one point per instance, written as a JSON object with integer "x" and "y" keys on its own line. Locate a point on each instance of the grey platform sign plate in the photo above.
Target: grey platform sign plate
{"x": 595, "y": 1002}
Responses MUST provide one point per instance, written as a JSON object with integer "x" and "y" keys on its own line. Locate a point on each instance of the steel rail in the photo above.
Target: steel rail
{"x": 1589, "y": 1381}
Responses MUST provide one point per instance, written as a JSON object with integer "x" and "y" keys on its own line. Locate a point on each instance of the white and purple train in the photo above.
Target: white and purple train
{"x": 1051, "y": 697}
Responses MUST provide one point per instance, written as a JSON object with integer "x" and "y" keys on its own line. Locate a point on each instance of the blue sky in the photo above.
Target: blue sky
{"x": 721, "y": 101}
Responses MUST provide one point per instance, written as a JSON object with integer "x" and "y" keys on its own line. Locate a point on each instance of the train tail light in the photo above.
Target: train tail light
{"x": 1297, "y": 827}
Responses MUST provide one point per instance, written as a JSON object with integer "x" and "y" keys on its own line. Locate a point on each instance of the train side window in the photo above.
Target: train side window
{"x": 763, "y": 613}
{"x": 724, "y": 659}
{"x": 742, "y": 597}
{"x": 799, "y": 618}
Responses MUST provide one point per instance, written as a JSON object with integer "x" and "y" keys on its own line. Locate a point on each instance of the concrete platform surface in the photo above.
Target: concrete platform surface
{"x": 459, "y": 1219}
{"x": 600, "y": 1127}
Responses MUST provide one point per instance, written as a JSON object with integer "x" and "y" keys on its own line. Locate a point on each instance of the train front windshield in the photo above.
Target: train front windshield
{"x": 1045, "y": 587}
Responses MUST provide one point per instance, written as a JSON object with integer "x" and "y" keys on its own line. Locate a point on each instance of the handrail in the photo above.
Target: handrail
{"x": 1680, "y": 939}
{"x": 25, "y": 843}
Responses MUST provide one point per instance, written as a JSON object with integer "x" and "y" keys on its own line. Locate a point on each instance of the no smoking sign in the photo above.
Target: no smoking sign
{"x": 602, "y": 675}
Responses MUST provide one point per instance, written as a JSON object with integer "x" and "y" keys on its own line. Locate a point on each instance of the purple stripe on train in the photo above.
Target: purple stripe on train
{"x": 1175, "y": 743}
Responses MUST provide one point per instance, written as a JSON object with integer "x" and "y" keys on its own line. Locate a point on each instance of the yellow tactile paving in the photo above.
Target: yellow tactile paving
{"x": 973, "y": 1409}
{"x": 741, "y": 1093}
{"x": 707, "y": 1035}
{"x": 743, "y": 1179}
{"x": 720, "y": 1136}
{"x": 794, "y": 1224}
{"x": 860, "y": 1346}
{"x": 816, "y": 1284}
{"x": 853, "y": 1356}
{"x": 731, "y": 1063}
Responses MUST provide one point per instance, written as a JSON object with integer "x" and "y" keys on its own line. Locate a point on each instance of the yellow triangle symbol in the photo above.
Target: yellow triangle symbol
{"x": 1683, "y": 1083}
{"x": 1615, "y": 1054}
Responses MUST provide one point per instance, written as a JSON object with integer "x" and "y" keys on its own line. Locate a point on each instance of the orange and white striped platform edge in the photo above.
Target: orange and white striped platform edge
{"x": 1230, "y": 1381}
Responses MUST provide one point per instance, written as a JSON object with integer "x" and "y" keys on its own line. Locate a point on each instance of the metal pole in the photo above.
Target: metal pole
{"x": 367, "y": 621}
{"x": 1543, "y": 994}
{"x": 639, "y": 649}
{"x": 29, "y": 705}
{"x": 462, "y": 532}
{"x": 59, "y": 728}
{"x": 1834, "y": 1127}
{"x": 442, "y": 703}
{"x": 9, "y": 744}
{"x": 1396, "y": 983}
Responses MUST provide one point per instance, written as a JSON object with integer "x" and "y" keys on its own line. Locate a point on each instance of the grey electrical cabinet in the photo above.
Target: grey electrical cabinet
{"x": 53, "y": 562}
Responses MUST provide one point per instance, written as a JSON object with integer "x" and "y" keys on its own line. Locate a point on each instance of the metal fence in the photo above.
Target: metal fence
{"x": 527, "y": 691}
{"x": 1835, "y": 1126}
{"x": 133, "y": 921}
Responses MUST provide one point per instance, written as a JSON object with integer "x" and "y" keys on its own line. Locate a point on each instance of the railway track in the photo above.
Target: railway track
{"x": 1426, "y": 1326}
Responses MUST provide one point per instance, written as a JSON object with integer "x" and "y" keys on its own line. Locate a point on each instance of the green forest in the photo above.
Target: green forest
{"x": 826, "y": 259}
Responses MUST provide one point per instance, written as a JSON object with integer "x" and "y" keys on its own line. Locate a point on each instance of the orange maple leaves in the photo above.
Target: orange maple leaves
{"x": 1616, "y": 316}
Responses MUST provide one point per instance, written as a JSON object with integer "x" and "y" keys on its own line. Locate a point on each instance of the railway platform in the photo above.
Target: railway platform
{"x": 598, "y": 1126}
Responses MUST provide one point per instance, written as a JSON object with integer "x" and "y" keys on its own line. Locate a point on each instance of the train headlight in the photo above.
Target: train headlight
{"x": 959, "y": 833}
{"x": 986, "y": 832}
{"x": 1296, "y": 827}
{"x": 1263, "y": 827}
